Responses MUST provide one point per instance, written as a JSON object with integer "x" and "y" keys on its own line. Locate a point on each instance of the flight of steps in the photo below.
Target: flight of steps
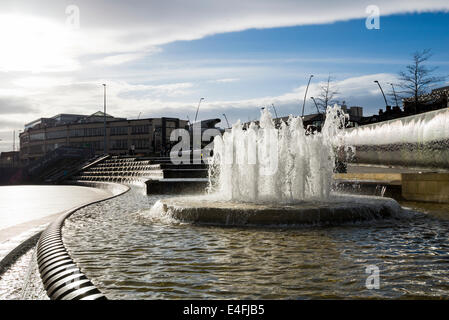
{"x": 159, "y": 173}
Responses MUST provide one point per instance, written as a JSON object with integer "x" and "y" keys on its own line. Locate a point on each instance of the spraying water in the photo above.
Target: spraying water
{"x": 422, "y": 128}
{"x": 418, "y": 141}
{"x": 277, "y": 164}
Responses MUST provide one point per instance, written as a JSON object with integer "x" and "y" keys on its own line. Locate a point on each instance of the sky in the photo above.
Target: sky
{"x": 158, "y": 58}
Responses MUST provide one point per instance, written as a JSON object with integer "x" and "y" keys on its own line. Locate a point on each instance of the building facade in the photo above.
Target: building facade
{"x": 142, "y": 136}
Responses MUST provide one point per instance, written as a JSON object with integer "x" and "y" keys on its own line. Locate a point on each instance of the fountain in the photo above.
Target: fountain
{"x": 268, "y": 175}
{"x": 419, "y": 141}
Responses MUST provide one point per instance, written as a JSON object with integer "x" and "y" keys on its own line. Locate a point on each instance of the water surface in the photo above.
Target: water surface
{"x": 129, "y": 254}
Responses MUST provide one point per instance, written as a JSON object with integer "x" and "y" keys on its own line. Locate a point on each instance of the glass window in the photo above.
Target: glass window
{"x": 141, "y": 143}
{"x": 76, "y": 133}
{"x": 119, "y": 144}
{"x": 56, "y": 134}
{"x": 92, "y": 132}
{"x": 37, "y": 136}
{"x": 140, "y": 129}
{"x": 117, "y": 131}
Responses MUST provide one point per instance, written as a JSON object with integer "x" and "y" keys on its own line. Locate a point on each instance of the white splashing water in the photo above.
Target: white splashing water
{"x": 422, "y": 128}
{"x": 285, "y": 164}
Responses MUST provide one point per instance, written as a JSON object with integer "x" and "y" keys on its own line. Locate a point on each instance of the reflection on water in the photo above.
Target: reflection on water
{"x": 130, "y": 255}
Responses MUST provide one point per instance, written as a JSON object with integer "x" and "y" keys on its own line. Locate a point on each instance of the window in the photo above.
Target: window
{"x": 76, "y": 133}
{"x": 141, "y": 143}
{"x": 56, "y": 134}
{"x": 141, "y": 129}
{"x": 91, "y": 132}
{"x": 117, "y": 131}
{"x": 119, "y": 144}
{"x": 37, "y": 136}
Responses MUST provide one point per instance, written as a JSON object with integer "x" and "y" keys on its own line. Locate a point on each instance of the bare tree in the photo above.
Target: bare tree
{"x": 417, "y": 77}
{"x": 327, "y": 95}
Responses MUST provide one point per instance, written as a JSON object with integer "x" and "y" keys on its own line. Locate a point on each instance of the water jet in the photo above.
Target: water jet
{"x": 264, "y": 175}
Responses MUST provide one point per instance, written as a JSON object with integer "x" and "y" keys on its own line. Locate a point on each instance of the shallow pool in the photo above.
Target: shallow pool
{"x": 130, "y": 254}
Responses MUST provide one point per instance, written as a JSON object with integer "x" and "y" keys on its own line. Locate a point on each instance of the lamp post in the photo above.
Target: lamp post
{"x": 316, "y": 105}
{"x": 386, "y": 103}
{"x": 226, "y": 118}
{"x": 196, "y": 115}
{"x": 395, "y": 96}
{"x": 104, "y": 117}
{"x": 305, "y": 95}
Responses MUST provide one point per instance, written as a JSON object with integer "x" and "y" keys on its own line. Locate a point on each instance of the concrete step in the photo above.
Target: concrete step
{"x": 185, "y": 173}
{"x": 178, "y": 166}
{"x": 176, "y": 186}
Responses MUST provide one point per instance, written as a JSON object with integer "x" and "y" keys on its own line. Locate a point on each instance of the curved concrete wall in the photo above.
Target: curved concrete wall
{"x": 61, "y": 277}
{"x": 429, "y": 155}
{"x": 420, "y": 140}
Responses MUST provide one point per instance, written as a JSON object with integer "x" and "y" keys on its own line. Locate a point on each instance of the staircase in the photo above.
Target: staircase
{"x": 159, "y": 173}
{"x": 58, "y": 165}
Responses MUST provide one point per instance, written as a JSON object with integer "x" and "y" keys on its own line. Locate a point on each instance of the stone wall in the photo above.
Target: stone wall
{"x": 429, "y": 187}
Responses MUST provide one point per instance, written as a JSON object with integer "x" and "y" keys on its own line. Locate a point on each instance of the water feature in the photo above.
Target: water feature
{"x": 420, "y": 140}
{"x": 266, "y": 174}
{"x": 421, "y": 128}
{"x": 263, "y": 163}
{"x": 129, "y": 252}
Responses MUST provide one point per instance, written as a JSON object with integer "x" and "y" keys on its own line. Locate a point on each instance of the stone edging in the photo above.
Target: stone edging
{"x": 61, "y": 277}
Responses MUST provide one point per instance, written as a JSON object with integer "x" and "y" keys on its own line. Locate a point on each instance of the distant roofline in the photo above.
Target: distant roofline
{"x": 101, "y": 121}
{"x": 67, "y": 114}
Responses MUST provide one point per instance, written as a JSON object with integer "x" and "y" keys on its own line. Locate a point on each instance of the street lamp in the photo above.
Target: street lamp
{"x": 196, "y": 115}
{"x": 226, "y": 120}
{"x": 386, "y": 103}
{"x": 305, "y": 95}
{"x": 274, "y": 110}
{"x": 104, "y": 117}
{"x": 395, "y": 96}
{"x": 316, "y": 105}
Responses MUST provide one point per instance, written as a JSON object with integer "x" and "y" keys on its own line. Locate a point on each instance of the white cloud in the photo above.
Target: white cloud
{"x": 225, "y": 80}
{"x": 113, "y": 33}
{"x": 38, "y": 39}
{"x": 119, "y": 58}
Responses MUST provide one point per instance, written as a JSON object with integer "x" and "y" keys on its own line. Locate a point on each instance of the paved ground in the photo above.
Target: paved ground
{"x": 26, "y": 210}
{"x": 361, "y": 168}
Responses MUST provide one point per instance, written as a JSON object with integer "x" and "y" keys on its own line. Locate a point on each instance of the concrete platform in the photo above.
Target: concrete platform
{"x": 402, "y": 184}
{"x": 427, "y": 187}
{"x": 27, "y": 210}
{"x": 337, "y": 211}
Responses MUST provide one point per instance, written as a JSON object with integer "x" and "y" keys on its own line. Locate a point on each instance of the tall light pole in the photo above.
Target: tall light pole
{"x": 305, "y": 95}
{"x": 226, "y": 120}
{"x": 386, "y": 103}
{"x": 196, "y": 115}
{"x": 395, "y": 96}
{"x": 104, "y": 117}
{"x": 316, "y": 105}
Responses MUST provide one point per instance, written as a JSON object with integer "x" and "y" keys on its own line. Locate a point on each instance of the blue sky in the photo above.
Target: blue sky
{"x": 159, "y": 58}
{"x": 343, "y": 49}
